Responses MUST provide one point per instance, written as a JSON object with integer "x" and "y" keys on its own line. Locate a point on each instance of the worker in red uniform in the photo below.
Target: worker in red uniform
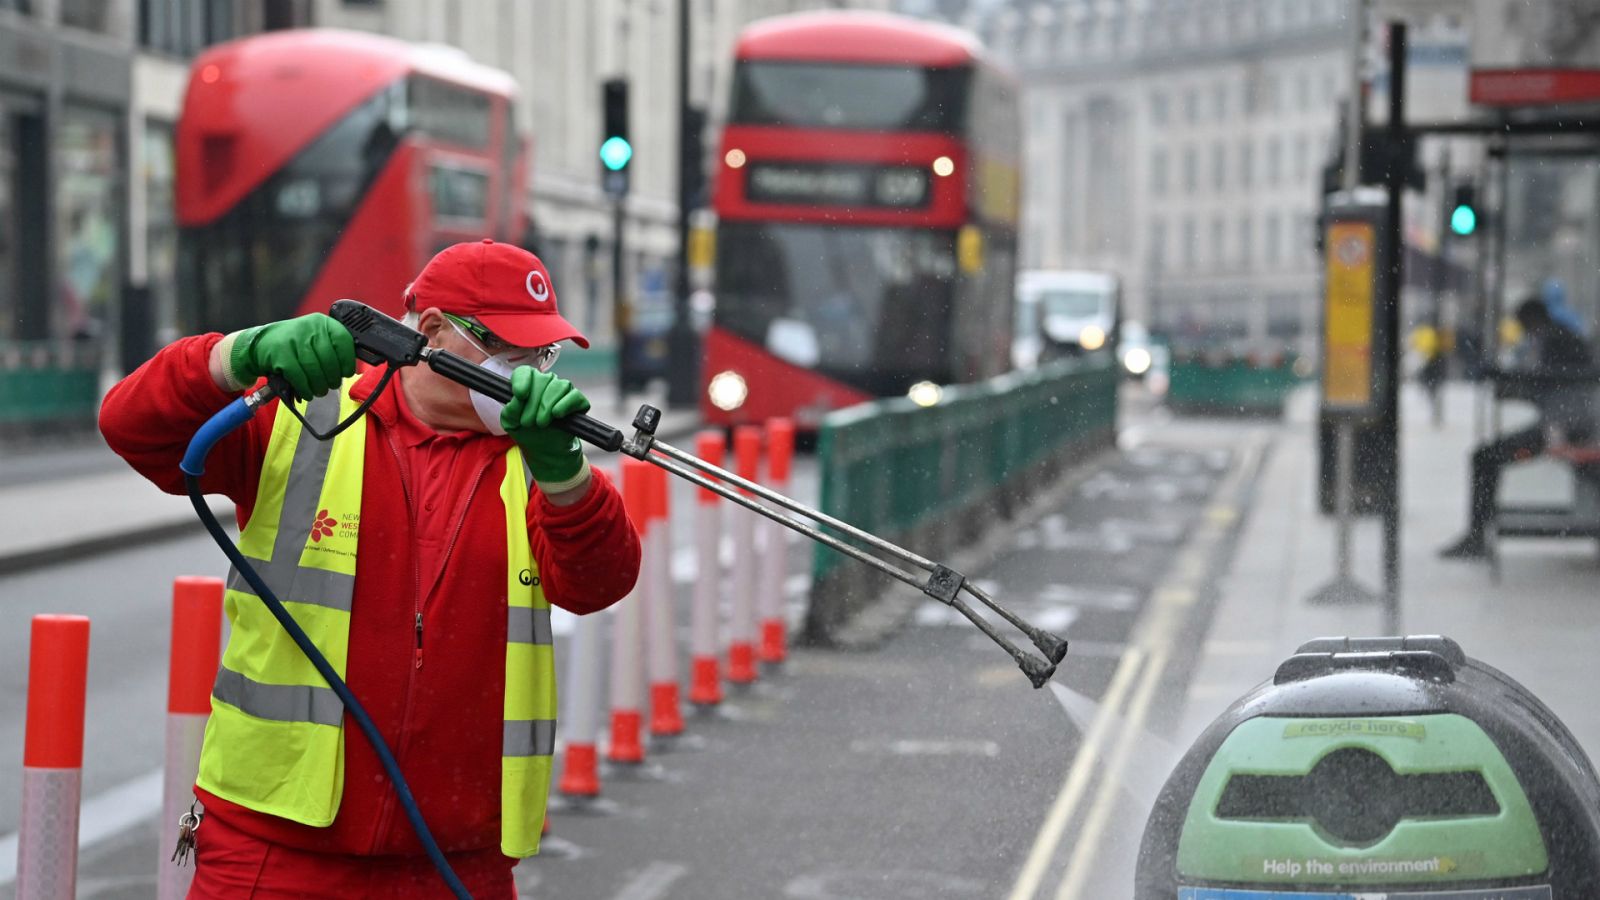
{"x": 420, "y": 549}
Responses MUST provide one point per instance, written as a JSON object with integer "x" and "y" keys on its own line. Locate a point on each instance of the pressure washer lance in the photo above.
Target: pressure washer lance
{"x": 381, "y": 339}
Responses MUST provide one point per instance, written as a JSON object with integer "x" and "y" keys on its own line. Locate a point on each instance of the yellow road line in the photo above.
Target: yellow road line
{"x": 1094, "y": 826}
{"x": 1077, "y": 780}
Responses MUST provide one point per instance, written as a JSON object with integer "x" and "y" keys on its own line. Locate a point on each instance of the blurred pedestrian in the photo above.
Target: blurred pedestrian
{"x": 1432, "y": 359}
{"x": 420, "y": 549}
{"x": 1559, "y": 377}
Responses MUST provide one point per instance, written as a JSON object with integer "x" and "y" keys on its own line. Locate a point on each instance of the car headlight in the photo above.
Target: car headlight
{"x": 925, "y": 393}
{"x": 1137, "y": 360}
{"x": 1092, "y": 337}
{"x": 727, "y": 390}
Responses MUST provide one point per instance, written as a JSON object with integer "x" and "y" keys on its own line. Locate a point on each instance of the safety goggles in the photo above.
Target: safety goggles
{"x": 541, "y": 358}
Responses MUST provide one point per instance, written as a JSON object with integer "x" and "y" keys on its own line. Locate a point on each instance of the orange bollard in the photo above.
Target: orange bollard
{"x": 52, "y": 758}
{"x": 627, "y": 635}
{"x": 742, "y": 640}
{"x": 774, "y": 562}
{"x": 196, "y": 652}
{"x": 705, "y": 676}
{"x": 666, "y": 715}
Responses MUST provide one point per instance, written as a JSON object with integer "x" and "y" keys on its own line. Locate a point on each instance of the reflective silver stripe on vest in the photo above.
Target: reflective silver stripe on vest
{"x": 526, "y": 625}
{"x": 279, "y": 702}
{"x": 306, "y": 472}
{"x": 529, "y": 737}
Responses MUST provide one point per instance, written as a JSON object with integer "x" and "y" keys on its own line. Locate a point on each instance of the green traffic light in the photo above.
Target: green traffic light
{"x": 1464, "y": 221}
{"x": 615, "y": 153}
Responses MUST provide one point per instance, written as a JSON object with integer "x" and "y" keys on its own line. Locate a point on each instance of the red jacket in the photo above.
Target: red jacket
{"x": 432, "y": 541}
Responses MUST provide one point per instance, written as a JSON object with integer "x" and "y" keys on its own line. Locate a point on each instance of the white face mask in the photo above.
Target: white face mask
{"x": 487, "y": 408}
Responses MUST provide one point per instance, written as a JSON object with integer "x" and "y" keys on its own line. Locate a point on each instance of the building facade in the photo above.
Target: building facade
{"x": 91, "y": 91}
{"x": 1179, "y": 143}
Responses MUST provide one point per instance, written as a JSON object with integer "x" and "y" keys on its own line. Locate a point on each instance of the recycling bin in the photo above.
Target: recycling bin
{"x": 1378, "y": 769}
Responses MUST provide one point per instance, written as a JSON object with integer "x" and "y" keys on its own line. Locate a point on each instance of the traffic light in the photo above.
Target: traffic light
{"x": 1464, "y": 212}
{"x": 615, "y": 149}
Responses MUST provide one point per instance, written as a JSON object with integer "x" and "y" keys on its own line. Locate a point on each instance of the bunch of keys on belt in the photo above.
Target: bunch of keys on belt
{"x": 188, "y": 824}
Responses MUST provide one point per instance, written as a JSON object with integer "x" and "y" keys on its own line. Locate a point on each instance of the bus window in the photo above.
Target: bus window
{"x": 460, "y": 195}
{"x": 448, "y": 113}
{"x": 855, "y": 97}
{"x": 870, "y": 307}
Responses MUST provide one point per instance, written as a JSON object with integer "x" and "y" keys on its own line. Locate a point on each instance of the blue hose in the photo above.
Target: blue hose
{"x": 193, "y": 465}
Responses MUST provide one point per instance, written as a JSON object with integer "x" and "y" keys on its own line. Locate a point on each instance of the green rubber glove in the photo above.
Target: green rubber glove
{"x": 537, "y": 399}
{"x": 313, "y": 353}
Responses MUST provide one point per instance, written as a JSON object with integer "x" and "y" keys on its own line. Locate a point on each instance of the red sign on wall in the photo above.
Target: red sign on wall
{"x": 1534, "y": 87}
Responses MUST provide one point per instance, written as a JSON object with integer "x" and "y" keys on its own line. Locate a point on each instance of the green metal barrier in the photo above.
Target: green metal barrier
{"x": 47, "y": 384}
{"x": 934, "y": 478}
{"x": 1231, "y": 386}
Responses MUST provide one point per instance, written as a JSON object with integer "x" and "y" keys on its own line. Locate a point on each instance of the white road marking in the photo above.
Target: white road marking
{"x": 654, "y": 882}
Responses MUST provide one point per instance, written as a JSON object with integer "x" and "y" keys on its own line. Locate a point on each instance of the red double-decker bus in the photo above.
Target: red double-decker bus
{"x": 319, "y": 164}
{"x": 866, "y": 196}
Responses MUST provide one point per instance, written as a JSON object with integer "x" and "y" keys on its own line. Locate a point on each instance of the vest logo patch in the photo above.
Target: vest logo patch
{"x": 323, "y": 526}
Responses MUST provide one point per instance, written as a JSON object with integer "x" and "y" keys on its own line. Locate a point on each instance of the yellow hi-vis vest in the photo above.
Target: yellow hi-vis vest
{"x": 275, "y": 739}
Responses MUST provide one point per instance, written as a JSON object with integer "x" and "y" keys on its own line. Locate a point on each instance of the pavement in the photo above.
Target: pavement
{"x": 74, "y": 498}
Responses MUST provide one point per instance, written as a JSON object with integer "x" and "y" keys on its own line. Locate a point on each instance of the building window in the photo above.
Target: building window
{"x": 1191, "y": 170}
{"x": 21, "y": 6}
{"x": 1158, "y": 244}
{"x": 1158, "y": 171}
{"x": 1219, "y": 167}
{"x": 1191, "y": 242}
{"x": 185, "y": 27}
{"x": 161, "y": 228}
{"x": 1274, "y": 161}
{"x": 1219, "y": 242}
{"x": 1247, "y": 162}
{"x": 1191, "y": 106}
{"x": 1270, "y": 239}
{"x": 1302, "y": 157}
{"x": 1219, "y": 102}
{"x": 1247, "y": 240}
{"x": 1159, "y": 112}
{"x": 90, "y": 15}
{"x": 88, "y": 204}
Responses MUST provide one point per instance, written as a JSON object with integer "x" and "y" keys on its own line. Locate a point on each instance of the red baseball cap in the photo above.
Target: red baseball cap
{"x": 503, "y": 286}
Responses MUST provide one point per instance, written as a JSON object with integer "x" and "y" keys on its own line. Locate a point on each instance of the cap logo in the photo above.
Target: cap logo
{"x": 537, "y": 288}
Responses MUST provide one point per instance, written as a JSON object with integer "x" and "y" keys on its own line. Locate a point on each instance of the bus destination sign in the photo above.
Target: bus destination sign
{"x": 834, "y": 184}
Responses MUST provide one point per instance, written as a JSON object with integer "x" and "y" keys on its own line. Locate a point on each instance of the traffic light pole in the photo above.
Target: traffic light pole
{"x": 619, "y": 303}
{"x": 683, "y": 350}
{"x": 1394, "y": 181}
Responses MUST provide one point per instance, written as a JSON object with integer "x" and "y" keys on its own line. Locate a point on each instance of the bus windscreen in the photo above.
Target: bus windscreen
{"x": 849, "y": 97}
{"x": 870, "y": 307}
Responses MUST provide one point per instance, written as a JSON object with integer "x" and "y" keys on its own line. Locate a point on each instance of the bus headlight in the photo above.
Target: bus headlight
{"x": 1137, "y": 360}
{"x": 727, "y": 390}
{"x": 925, "y": 393}
{"x": 1092, "y": 337}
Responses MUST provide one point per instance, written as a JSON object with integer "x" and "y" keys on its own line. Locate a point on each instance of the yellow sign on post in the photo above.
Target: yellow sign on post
{"x": 1347, "y": 379}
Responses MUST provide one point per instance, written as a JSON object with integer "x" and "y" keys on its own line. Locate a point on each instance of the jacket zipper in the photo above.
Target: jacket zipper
{"x": 386, "y": 811}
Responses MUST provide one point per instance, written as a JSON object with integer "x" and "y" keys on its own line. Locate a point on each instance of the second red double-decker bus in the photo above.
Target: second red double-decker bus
{"x": 866, "y": 196}
{"x": 319, "y": 164}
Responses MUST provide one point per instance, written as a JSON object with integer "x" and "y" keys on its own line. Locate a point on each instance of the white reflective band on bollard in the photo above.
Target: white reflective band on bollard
{"x": 47, "y": 848}
{"x": 773, "y": 570}
{"x": 184, "y": 734}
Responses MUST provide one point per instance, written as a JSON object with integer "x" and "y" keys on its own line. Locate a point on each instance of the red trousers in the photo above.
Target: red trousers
{"x": 231, "y": 865}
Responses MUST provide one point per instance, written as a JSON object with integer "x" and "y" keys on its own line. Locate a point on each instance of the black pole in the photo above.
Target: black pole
{"x": 1394, "y": 178}
{"x": 619, "y": 304}
{"x": 683, "y": 362}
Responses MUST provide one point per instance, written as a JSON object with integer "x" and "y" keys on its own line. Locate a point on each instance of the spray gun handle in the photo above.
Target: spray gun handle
{"x": 498, "y": 387}
{"x": 381, "y": 340}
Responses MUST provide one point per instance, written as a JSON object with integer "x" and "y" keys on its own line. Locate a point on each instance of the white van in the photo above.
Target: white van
{"x": 1062, "y": 312}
